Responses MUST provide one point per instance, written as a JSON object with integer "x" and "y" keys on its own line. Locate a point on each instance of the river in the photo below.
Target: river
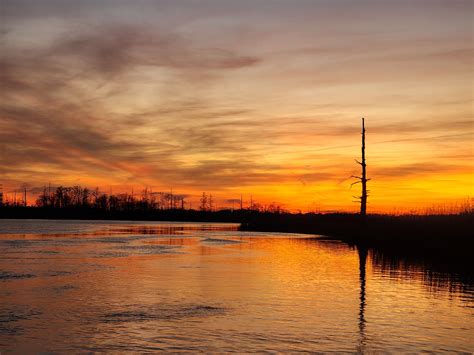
{"x": 86, "y": 286}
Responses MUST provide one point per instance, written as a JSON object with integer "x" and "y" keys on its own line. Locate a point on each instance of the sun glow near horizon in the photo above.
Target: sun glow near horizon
{"x": 256, "y": 98}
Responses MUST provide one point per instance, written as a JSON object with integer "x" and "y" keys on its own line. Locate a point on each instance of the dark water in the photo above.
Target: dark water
{"x": 122, "y": 286}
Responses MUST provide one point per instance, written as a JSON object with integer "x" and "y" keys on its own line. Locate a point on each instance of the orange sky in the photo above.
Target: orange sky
{"x": 251, "y": 97}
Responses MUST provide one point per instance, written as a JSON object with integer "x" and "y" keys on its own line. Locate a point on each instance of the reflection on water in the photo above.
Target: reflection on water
{"x": 438, "y": 272}
{"x": 115, "y": 286}
{"x": 362, "y": 253}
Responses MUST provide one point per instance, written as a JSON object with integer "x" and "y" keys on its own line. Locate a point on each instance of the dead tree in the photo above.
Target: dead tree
{"x": 363, "y": 178}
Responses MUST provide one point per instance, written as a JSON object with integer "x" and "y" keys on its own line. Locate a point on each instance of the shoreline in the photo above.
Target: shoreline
{"x": 421, "y": 232}
{"x": 435, "y": 233}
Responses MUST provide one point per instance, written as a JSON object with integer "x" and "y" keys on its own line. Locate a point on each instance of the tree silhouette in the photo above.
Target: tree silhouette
{"x": 203, "y": 201}
{"x": 363, "y": 178}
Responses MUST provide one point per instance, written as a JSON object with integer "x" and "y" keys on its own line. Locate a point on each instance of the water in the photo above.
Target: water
{"x": 115, "y": 286}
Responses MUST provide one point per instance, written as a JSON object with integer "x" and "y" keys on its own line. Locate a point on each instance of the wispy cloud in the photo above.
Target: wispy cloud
{"x": 232, "y": 96}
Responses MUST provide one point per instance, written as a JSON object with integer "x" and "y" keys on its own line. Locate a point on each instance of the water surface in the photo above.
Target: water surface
{"x": 146, "y": 286}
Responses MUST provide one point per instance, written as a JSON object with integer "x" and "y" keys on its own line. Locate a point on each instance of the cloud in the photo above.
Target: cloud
{"x": 115, "y": 50}
{"x": 216, "y": 96}
{"x": 413, "y": 170}
{"x": 62, "y": 126}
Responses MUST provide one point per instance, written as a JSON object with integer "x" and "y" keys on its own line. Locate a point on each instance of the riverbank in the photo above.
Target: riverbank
{"x": 171, "y": 215}
{"x": 415, "y": 232}
{"x": 431, "y": 232}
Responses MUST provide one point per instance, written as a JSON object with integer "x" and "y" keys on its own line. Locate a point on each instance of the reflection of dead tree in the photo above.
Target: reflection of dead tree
{"x": 363, "y": 178}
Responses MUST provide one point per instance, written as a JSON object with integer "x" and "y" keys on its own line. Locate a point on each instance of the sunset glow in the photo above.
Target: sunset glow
{"x": 255, "y": 98}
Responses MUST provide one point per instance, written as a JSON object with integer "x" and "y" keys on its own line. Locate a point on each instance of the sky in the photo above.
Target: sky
{"x": 259, "y": 98}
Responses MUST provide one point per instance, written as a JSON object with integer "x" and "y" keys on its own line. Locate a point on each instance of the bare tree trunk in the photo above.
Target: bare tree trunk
{"x": 363, "y": 178}
{"x": 363, "y": 198}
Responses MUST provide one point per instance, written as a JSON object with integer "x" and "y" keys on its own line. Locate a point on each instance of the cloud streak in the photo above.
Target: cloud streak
{"x": 218, "y": 97}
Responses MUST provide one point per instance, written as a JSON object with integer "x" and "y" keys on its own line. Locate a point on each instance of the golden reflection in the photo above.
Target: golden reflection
{"x": 163, "y": 291}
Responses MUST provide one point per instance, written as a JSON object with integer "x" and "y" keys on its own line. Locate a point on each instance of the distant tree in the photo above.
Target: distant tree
{"x": 43, "y": 199}
{"x": 211, "y": 202}
{"x": 85, "y": 197}
{"x": 234, "y": 202}
{"x": 113, "y": 203}
{"x": 203, "y": 202}
{"x": 103, "y": 202}
{"x": 273, "y": 208}
{"x": 76, "y": 195}
{"x": 95, "y": 197}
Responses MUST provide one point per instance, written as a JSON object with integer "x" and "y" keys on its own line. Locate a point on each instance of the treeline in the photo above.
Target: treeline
{"x": 79, "y": 198}
{"x": 76, "y": 202}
